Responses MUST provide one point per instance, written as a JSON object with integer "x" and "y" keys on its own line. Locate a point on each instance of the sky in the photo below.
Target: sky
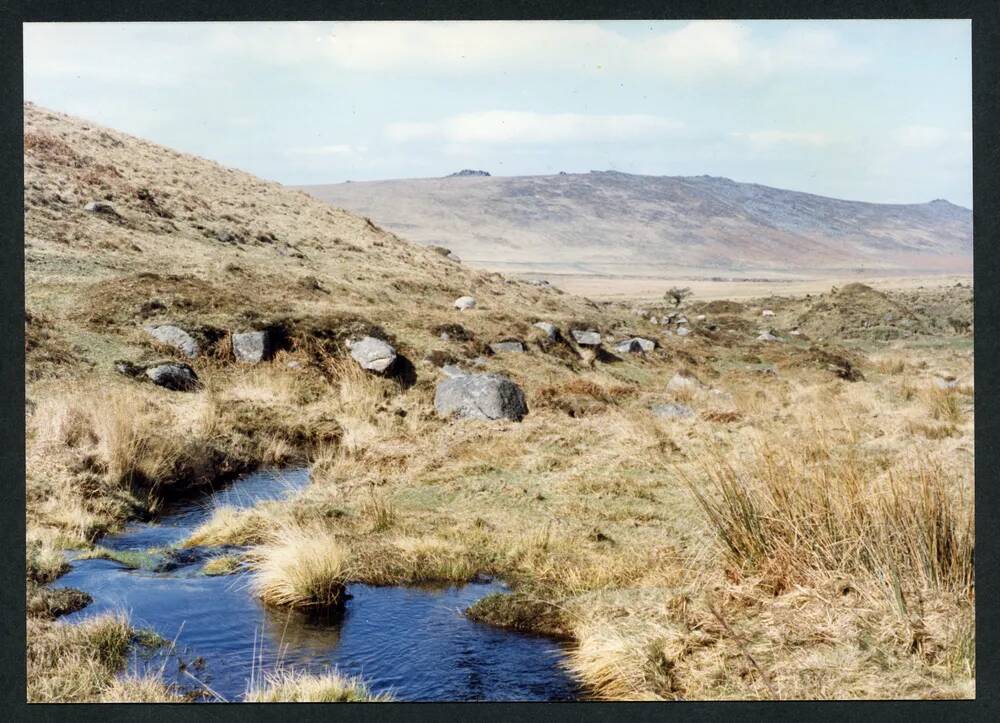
{"x": 871, "y": 110}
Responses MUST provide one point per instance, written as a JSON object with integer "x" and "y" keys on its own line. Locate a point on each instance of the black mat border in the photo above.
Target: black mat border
{"x": 986, "y": 143}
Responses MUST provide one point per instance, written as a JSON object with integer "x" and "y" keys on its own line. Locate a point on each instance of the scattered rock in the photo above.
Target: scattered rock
{"x": 480, "y": 396}
{"x": 101, "y": 207}
{"x": 510, "y": 345}
{"x": 683, "y": 331}
{"x": 178, "y": 377}
{"x": 767, "y": 336}
{"x": 372, "y": 354}
{"x": 635, "y": 345}
{"x": 550, "y": 329}
{"x": 586, "y": 338}
{"x": 700, "y": 317}
{"x": 175, "y": 337}
{"x": 767, "y": 312}
{"x": 673, "y": 410}
{"x": 251, "y": 347}
{"x": 463, "y": 303}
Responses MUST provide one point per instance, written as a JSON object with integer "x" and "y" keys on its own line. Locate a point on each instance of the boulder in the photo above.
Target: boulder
{"x": 463, "y": 303}
{"x": 673, "y": 410}
{"x": 700, "y": 317}
{"x": 767, "y": 336}
{"x": 550, "y": 329}
{"x": 635, "y": 345}
{"x": 453, "y": 370}
{"x": 251, "y": 347}
{"x": 767, "y": 312}
{"x": 176, "y": 337}
{"x": 683, "y": 331}
{"x": 480, "y": 396}
{"x": 101, "y": 207}
{"x": 178, "y": 377}
{"x": 510, "y": 345}
{"x": 586, "y": 338}
{"x": 372, "y": 354}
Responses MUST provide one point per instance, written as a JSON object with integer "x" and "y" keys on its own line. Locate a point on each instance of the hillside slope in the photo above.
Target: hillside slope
{"x": 607, "y": 220}
{"x": 197, "y": 244}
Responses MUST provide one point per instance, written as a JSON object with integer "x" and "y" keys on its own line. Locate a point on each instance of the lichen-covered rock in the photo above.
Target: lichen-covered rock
{"x": 509, "y": 346}
{"x": 635, "y": 345}
{"x": 175, "y": 337}
{"x": 586, "y": 338}
{"x": 372, "y": 354}
{"x": 453, "y": 370}
{"x": 463, "y": 303}
{"x": 480, "y": 396}
{"x": 550, "y": 329}
{"x": 178, "y": 377}
{"x": 251, "y": 347}
{"x": 673, "y": 410}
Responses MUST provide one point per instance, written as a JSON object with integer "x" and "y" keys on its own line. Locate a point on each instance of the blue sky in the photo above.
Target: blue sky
{"x": 867, "y": 110}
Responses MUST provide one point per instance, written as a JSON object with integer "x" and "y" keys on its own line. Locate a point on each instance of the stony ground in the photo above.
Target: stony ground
{"x": 720, "y": 517}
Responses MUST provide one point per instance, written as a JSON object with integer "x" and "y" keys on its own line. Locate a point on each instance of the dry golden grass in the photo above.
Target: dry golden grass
{"x": 230, "y": 526}
{"x": 300, "y": 567}
{"x": 140, "y": 689}
{"x": 75, "y": 663}
{"x": 293, "y": 687}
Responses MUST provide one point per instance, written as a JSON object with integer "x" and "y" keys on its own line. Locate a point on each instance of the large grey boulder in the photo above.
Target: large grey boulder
{"x": 453, "y": 370}
{"x": 251, "y": 347}
{"x": 480, "y": 396}
{"x": 176, "y": 337}
{"x": 673, "y": 410}
{"x": 586, "y": 338}
{"x": 635, "y": 345}
{"x": 463, "y": 303}
{"x": 510, "y": 345}
{"x": 372, "y": 354}
{"x": 178, "y": 377}
{"x": 550, "y": 329}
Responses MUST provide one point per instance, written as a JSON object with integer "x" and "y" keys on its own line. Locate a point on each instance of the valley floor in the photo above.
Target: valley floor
{"x": 805, "y": 532}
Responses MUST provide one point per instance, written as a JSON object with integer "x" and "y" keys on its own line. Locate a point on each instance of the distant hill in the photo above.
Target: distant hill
{"x": 606, "y": 220}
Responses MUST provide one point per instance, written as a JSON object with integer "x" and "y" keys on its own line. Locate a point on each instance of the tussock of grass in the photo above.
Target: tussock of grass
{"x": 140, "y": 689}
{"x": 297, "y": 687}
{"x": 300, "y": 567}
{"x": 134, "y": 559}
{"x": 523, "y": 612}
{"x": 230, "y": 525}
{"x": 75, "y": 663}
{"x": 946, "y": 405}
{"x": 838, "y": 515}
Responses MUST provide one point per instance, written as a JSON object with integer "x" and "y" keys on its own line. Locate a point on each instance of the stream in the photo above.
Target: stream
{"x": 412, "y": 642}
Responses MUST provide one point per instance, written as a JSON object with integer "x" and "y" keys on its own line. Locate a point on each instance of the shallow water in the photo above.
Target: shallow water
{"x": 415, "y": 643}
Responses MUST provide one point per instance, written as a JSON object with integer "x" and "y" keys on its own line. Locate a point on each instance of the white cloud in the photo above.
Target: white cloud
{"x": 922, "y": 137}
{"x": 502, "y": 126}
{"x": 340, "y": 149}
{"x": 770, "y": 138}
